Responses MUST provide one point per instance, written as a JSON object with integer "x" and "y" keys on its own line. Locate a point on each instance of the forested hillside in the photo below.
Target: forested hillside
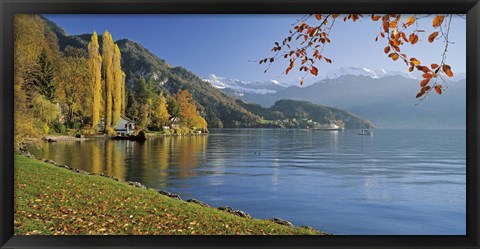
{"x": 303, "y": 114}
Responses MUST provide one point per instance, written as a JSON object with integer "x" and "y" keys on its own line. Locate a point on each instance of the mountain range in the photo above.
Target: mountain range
{"x": 385, "y": 97}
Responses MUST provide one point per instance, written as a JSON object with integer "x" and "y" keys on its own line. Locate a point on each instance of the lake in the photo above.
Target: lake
{"x": 394, "y": 182}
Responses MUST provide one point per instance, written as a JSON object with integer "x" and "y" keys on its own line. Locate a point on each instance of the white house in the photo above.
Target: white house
{"x": 125, "y": 127}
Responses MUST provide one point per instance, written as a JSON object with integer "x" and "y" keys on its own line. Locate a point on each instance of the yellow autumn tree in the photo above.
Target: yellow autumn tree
{"x": 108, "y": 77}
{"x": 160, "y": 113}
{"x": 95, "y": 61}
{"x": 187, "y": 108}
{"x": 117, "y": 87}
{"x": 200, "y": 123}
{"x": 124, "y": 100}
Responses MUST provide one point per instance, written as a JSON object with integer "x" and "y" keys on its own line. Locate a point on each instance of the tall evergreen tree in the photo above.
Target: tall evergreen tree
{"x": 43, "y": 79}
{"x": 144, "y": 93}
{"x": 172, "y": 106}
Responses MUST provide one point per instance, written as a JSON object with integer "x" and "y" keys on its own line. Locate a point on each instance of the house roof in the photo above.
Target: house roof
{"x": 126, "y": 119}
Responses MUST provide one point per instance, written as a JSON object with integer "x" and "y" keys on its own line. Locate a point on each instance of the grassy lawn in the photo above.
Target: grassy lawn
{"x": 53, "y": 200}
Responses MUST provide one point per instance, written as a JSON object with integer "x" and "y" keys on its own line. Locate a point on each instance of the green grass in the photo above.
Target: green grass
{"x": 53, "y": 200}
{"x": 265, "y": 121}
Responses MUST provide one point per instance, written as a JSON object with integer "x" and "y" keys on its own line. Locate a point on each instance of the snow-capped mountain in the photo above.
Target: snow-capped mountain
{"x": 239, "y": 87}
{"x": 361, "y": 71}
{"x": 381, "y": 73}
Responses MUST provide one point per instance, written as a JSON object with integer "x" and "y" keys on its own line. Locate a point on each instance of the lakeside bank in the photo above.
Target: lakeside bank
{"x": 52, "y": 200}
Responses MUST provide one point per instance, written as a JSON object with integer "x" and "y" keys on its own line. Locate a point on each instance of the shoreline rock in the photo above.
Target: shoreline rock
{"x": 282, "y": 222}
{"x": 199, "y": 203}
{"x": 173, "y": 196}
{"x": 136, "y": 184}
{"x": 236, "y": 212}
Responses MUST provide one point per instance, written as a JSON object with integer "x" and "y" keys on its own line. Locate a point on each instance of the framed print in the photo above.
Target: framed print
{"x": 239, "y": 124}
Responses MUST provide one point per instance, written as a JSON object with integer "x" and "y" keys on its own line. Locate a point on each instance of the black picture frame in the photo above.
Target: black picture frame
{"x": 11, "y": 7}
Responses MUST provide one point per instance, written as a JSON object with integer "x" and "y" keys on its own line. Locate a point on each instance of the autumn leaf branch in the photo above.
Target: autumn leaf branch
{"x": 313, "y": 40}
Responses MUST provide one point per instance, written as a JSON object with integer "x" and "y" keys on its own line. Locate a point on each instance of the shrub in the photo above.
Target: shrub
{"x": 88, "y": 131}
{"x": 59, "y": 127}
{"x": 74, "y": 125}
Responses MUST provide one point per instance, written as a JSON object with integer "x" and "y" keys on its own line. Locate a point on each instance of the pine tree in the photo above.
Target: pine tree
{"x": 43, "y": 79}
{"x": 144, "y": 100}
{"x": 172, "y": 106}
{"x": 95, "y": 61}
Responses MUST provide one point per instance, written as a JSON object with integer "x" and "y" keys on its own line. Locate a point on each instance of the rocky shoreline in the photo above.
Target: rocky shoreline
{"x": 227, "y": 209}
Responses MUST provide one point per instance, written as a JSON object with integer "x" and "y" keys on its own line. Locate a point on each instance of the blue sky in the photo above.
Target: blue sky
{"x": 226, "y": 45}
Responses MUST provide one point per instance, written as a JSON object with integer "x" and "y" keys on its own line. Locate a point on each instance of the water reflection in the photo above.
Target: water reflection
{"x": 153, "y": 162}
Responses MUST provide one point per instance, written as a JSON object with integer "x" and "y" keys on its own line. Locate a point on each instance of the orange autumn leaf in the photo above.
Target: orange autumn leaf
{"x": 447, "y": 70}
{"x": 392, "y": 24}
{"x": 292, "y": 63}
{"x": 437, "y": 21}
{"x": 424, "y": 82}
{"x": 413, "y": 38}
{"x": 314, "y": 71}
{"x": 434, "y": 65}
{"x": 426, "y": 75}
{"x": 385, "y": 26}
{"x": 426, "y": 89}
{"x": 394, "y": 56}
{"x": 376, "y": 18}
{"x": 438, "y": 89}
{"x": 432, "y": 36}
{"x": 386, "y": 49}
{"x": 318, "y": 16}
{"x": 410, "y": 20}
{"x": 414, "y": 61}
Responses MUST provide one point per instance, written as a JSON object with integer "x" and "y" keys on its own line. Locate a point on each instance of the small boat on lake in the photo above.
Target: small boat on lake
{"x": 365, "y": 132}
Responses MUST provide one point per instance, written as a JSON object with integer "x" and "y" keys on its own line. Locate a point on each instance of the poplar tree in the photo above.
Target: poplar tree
{"x": 108, "y": 76}
{"x": 95, "y": 61}
{"x": 124, "y": 100}
{"x": 117, "y": 89}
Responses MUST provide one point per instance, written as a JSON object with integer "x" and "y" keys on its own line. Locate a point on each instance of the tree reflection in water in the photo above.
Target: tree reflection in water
{"x": 153, "y": 163}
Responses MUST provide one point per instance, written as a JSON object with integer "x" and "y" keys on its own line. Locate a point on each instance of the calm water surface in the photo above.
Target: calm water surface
{"x": 395, "y": 182}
